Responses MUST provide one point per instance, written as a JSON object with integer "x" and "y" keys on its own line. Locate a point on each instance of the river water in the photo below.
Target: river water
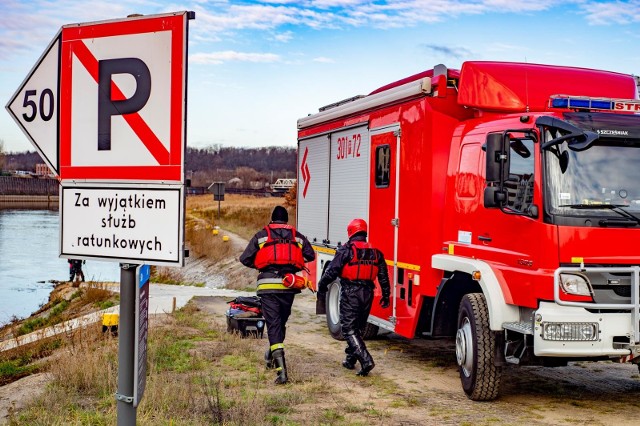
{"x": 29, "y": 247}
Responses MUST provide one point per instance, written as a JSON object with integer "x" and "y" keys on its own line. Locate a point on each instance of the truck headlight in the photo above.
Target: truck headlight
{"x": 566, "y": 331}
{"x": 575, "y": 284}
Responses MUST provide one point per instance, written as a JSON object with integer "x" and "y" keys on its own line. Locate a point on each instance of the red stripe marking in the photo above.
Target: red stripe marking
{"x": 304, "y": 170}
{"x": 172, "y": 172}
{"x": 138, "y": 125}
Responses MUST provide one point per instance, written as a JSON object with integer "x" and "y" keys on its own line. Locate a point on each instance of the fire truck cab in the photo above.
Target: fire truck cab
{"x": 505, "y": 199}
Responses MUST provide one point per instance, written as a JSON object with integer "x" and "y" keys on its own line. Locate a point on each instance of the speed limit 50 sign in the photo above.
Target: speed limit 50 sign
{"x": 35, "y": 105}
{"x": 106, "y": 101}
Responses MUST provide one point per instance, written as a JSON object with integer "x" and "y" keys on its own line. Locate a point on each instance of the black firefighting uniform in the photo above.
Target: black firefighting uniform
{"x": 356, "y": 296}
{"x": 276, "y": 298}
{"x": 75, "y": 268}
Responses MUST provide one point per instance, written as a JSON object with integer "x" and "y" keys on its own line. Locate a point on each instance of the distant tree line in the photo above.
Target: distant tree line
{"x": 2, "y": 159}
{"x": 244, "y": 167}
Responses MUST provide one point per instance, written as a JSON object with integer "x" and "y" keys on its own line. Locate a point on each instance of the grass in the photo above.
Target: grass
{"x": 198, "y": 374}
{"x": 171, "y": 276}
{"x": 242, "y": 215}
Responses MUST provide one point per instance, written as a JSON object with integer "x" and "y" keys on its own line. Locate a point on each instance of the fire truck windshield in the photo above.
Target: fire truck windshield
{"x": 600, "y": 178}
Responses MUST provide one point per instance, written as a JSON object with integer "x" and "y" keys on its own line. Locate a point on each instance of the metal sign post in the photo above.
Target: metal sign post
{"x": 218, "y": 193}
{"x": 132, "y": 340}
{"x": 126, "y": 411}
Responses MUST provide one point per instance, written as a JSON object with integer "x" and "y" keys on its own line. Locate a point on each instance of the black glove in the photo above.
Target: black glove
{"x": 322, "y": 288}
{"x": 384, "y": 302}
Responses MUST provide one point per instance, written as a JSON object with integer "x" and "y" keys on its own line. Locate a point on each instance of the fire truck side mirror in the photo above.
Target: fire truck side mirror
{"x": 494, "y": 197}
{"x": 497, "y": 159}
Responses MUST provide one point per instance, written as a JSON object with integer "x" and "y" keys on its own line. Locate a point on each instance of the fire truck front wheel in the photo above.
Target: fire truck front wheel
{"x": 475, "y": 349}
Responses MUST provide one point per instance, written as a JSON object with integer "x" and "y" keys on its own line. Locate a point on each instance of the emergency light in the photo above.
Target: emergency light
{"x": 585, "y": 102}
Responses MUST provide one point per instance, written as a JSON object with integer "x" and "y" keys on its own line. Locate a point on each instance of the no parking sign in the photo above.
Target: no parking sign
{"x": 122, "y": 98}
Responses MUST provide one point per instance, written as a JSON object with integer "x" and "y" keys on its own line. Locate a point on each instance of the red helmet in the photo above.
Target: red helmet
{"x": 355, "y": 226}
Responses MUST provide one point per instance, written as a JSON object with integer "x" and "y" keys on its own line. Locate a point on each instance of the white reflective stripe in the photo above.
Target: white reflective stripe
{"x": 275, "y": 280}
{"x": 262, "y": 240}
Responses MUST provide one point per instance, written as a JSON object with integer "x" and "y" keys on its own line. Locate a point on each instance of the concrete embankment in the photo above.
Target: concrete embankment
{"x": 28, "y": 192}
{"x": 10, "y": 185}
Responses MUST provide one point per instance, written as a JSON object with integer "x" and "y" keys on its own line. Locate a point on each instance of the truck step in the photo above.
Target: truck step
{"x": 520, "y": 327}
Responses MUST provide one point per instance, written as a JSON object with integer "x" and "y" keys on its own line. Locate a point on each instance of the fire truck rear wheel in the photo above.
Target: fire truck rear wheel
{"x": 333, "y": 316}
{"x": 333, "y": 310}
{"x": 475, "y": 350}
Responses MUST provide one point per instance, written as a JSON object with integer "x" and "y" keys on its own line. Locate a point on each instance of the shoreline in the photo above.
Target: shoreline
{"x": 29, "y": 198}
{"x": 20, "y": 202}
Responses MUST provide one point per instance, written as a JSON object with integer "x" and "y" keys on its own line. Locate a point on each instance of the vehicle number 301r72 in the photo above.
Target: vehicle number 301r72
{"x": 349, "y": 147}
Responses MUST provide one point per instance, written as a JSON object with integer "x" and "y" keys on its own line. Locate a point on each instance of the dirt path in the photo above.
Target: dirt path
{"x": 416, "y": 382}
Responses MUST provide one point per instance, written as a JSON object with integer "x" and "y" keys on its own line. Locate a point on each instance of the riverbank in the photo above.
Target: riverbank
{"x": 29, "y": 202}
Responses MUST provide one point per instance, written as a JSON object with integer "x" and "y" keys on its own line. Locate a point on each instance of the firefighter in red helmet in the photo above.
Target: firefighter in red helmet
{"x": 358, "y": 264}
{"x": 275, "y": 251}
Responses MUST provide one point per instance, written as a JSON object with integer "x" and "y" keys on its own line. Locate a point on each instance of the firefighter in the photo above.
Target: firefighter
{"x": 358, "y": 264}
{"x": 276, "y": 251}
{"x": 75, "y": 268}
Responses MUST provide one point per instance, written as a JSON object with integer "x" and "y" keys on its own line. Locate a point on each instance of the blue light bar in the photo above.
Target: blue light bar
{"x": 582, "y": 103}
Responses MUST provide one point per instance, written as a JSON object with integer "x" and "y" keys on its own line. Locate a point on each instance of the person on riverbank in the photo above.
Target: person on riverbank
{"x": 75, "y": 269}
{"x": 358, "y": 264}
{"x": 275, "y": 251}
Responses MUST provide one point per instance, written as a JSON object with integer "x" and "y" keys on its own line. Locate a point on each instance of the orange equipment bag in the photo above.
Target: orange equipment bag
{"x": 297, "y": 282}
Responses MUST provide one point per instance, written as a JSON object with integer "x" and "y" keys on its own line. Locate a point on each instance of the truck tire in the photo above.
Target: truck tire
{"x": 333, "y": 310}
{"x": 476, "y": 349}
{"x": 369, "y": 331}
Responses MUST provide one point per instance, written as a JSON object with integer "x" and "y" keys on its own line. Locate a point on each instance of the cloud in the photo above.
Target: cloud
{"x": 453, "y": 52}
{"x": 284, "y": 37}
{"x": 323, "y": 60}
{"x": 229, "y": 56}
{"x": 616, "y": 12}
{"x": 35, "y": 22}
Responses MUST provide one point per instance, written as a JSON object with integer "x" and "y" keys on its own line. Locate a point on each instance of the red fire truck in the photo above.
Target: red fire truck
{"x": 506, "y": 198}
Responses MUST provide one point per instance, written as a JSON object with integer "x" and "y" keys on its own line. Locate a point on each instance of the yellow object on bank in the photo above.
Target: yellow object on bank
{"x": 109, "y": 320}
{"x": 214, "y": 232}
{"x": 225, "y": 238}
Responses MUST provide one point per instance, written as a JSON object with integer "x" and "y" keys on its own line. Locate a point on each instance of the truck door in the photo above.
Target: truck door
{"x": 384, "y": 212}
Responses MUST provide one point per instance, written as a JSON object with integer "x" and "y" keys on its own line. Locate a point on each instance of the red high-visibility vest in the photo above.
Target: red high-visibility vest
{"x": 364, "y": 263}
{"x": 287, "y": 251}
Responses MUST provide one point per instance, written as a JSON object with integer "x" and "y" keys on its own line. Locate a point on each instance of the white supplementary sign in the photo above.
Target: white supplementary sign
{"x": 127, "y": 224}
{"x": 34, "y": 106}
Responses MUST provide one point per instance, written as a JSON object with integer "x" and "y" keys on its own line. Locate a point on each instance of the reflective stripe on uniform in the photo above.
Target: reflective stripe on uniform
{"x": 271, "y": 284}
{"x": 277, "y": 346}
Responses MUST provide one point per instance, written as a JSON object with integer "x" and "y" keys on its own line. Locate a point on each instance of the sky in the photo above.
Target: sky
{"x": 256, "y": 67}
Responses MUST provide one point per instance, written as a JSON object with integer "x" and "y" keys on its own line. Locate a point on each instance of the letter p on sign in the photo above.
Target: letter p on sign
{"x": 122, "y": 99}
{"x": 110, "y": 105}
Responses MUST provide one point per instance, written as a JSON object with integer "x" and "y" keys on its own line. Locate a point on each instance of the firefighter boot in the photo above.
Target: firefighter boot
{"x": 350, "y": 360}
{"x": 281, "y": 366}
{"x": 268, "y": 359}
{"x": 360, "y": 351}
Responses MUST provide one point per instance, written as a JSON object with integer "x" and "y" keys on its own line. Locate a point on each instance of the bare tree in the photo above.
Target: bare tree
{"x": 1, "y": 155}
